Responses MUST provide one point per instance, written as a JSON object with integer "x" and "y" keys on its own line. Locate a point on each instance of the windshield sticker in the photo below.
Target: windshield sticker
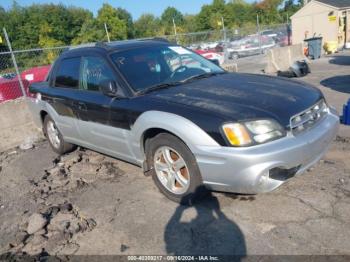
{"x": 179, "y": 50}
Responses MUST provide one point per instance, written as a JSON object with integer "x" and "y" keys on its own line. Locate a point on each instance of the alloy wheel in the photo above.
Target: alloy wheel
{"x": 53, "y": 134}
{"x": 171, "y": 170}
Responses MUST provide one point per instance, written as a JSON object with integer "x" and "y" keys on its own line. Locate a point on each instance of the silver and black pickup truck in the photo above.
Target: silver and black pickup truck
{"x": 188, "y": 123}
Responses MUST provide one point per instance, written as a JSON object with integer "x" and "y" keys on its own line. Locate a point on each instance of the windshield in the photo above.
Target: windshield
{"x": 158, "y": 65}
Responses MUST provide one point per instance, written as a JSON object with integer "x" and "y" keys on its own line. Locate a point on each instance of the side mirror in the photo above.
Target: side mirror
{"x": 109, "y": 88}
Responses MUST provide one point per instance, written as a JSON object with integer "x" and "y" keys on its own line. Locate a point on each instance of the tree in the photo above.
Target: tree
{"x": 46, "y": 40}
{"x": 45, "y": 37}
{"x": 146, "y": 26}
{"x": 117, "y": 28}
{"x": 269, "y": 11}
{"x": 126, "y": 16}
{"x": 24, "y": 24}
{"x": 169, "y": 15}
{"x": 78, "y": 17}
{"x": 210, "y": 16}
{"x": 239, "y": 13}
{"x": 290, "y": 7}
{"x": 93, "y": 30}
{"x": 56, "y": 24}
{"x": 202, "y": 21}
{"x": 189, "y": 24}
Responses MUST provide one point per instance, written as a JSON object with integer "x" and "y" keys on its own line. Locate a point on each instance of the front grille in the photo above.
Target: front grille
{"x": 308, "y": 118}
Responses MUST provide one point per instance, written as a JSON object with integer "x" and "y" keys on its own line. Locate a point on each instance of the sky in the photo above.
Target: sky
{"x": 135, "y": 7}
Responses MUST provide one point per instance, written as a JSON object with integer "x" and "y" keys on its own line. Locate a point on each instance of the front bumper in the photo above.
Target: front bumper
{"x": 249, "y": 170}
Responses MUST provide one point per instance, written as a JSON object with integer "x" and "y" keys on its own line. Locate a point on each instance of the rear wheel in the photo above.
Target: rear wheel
{"x": 55, "y": 137}
{"x": 174, "y": 168}
{"x": 234, "y": 56}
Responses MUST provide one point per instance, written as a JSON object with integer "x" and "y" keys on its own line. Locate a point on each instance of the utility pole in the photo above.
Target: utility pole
{"x": 225, "y": 39}
{"x": 109, "y": 40}
{"x": 258, "y": 27}
{"x": 175, "y": 32}
{"x": 223, "y": 28}
{"x": 14, "y": 62}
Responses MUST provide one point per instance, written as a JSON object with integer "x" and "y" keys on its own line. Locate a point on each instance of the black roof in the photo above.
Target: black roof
{"x": 130, "y": 44}
{"x": 336, "y": 3}
{"x": 120, "y": 45}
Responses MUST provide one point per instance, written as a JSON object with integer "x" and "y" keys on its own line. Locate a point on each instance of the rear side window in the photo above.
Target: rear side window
{"x": 67, "y": 75}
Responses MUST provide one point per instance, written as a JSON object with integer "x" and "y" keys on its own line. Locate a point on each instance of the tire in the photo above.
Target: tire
{"x": 235, "y": 56}
{"x": 156, "y": 148}
{"x": 55, "y": 137}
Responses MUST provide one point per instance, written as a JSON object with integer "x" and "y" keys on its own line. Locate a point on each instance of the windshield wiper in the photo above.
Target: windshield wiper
{"x": 205, "y": 75}
{"x": 157, "y": 87}
{"x": 169, "y": 84}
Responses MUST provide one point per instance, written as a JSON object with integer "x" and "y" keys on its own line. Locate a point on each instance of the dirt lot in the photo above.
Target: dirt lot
{"x": 86, "y": 203}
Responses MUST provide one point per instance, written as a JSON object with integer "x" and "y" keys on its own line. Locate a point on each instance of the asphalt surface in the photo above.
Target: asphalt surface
{"x": 90, "y": 204}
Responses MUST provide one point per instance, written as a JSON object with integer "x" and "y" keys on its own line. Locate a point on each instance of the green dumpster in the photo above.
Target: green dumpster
{"x": 314, "y": 46}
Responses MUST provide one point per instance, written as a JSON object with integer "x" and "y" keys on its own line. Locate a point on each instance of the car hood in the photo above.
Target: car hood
{"x": 239, "y": 97}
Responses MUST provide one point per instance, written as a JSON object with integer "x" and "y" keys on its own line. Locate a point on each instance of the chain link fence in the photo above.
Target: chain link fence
{"x": 20, "y": 68}
{"x": 197, "y": 39}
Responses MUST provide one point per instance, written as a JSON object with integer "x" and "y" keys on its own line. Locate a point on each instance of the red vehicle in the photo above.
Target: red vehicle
{"x": 10, "y": 88}
{"x": 211, "y": 55}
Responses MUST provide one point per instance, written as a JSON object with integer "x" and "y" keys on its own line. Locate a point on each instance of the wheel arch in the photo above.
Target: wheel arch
{"x": 152, "y": 132}
{"x": 152, "y": 123}
{"x": 43, "y": 114}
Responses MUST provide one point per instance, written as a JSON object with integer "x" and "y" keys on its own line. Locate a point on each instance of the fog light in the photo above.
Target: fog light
{"x": 263, "y": 179}
{"x": 283, "y": 174}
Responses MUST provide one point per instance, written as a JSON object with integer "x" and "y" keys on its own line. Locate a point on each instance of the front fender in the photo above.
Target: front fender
{"x": 183, "y": 128}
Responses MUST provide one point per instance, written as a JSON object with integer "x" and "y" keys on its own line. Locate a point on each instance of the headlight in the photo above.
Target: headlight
{"x": 252, "y": 132}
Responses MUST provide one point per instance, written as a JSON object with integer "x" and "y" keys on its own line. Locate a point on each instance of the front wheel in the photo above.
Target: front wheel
{"x": 55, "y": 137}
{"x": 174, "y": 168}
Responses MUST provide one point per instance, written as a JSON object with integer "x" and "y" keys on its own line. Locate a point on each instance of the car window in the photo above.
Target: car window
{"x": 151, "y": 66}
{"x": 67, "y": 75}
{"x": 94, "y": 70}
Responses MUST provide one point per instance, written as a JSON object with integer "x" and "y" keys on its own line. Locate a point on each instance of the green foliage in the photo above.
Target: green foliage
{"x": 269, "y": 12}
{"x": 169, "y": 15}
{"x": 91, "y": 31}
{"x": 57, "y": 23}
{"x": 146, "y": 26}
{"x": 48, "y": 25}
{"x": 124, "y": 15}
{"x": 117, "y": 27}
{"x": 116, "y": 20}
{"x": 189, "y": 24}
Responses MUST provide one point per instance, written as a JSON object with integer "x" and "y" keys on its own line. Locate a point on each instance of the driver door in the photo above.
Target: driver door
{"x": 93, "y": 107}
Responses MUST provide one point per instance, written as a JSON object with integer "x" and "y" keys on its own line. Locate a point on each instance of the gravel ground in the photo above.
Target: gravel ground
{"x": 86, "y": 203}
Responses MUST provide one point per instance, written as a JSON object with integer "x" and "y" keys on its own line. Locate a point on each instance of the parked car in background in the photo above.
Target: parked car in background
{"x": 215, "y": 57}
{"x": 8, "y": 75}
{"x": 208, "y": 45}
{"x": 269, "y": 33}
{"x": 10, "y": 88}
{"x": 35, "y": 74}
{"x": 185, "y": 120}
{"x": 282, "y": 39}
{"x": 251, "y": 45}
{"x": 9, "y": 83}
